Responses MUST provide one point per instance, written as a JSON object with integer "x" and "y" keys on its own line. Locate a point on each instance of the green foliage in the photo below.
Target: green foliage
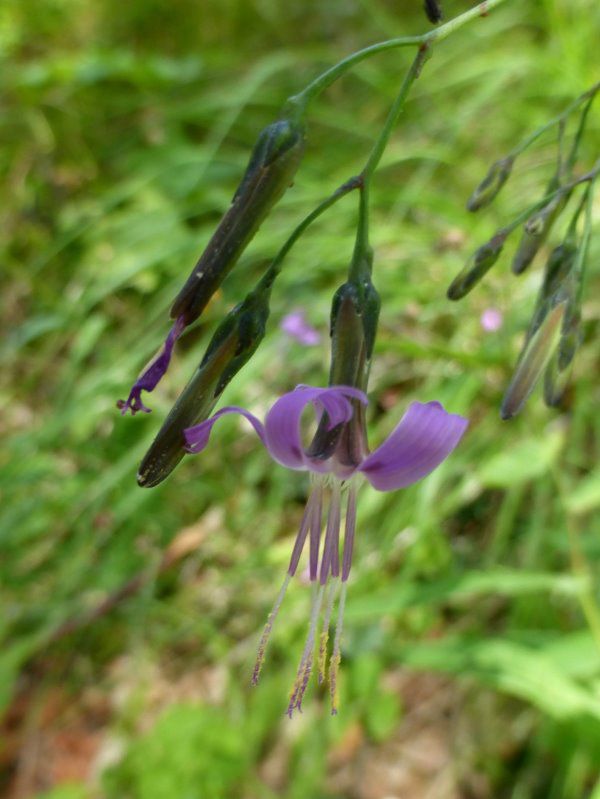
{"x": 191, "y": 752}
{"x": 125, "y": 130}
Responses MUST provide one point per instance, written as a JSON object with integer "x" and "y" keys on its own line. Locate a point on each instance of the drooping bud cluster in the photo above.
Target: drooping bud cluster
{"x": 554, "y": 332}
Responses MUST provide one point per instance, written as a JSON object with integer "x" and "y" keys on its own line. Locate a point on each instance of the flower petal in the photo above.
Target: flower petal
{"x": 196, "y": 438}
{"x": 425, "y": 436}
{"x": 153, "y": 372}
{"x": 282, "y": 424}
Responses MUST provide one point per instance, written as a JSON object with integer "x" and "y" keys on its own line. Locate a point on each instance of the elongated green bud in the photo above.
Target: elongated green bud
{"x": 534, "y": 358}
{"x": 354, "y": 317}
{"x": 555, "y": 285}
{"x": 489, "y": 187}
{"x": 233, "y": 344}
{"x": 556, "y": 382}
{"x": 270, "y": 171}
{"x": 478, "y": 265}
{"x": 536, "y": 232}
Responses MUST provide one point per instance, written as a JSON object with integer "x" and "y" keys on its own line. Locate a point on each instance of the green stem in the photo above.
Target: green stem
{"x": 361, "y": 261}
{"x": 587, "y": 95}
{"x": 589, "y": 177}
{"x": 298, "y": 103}
{"x": 395, "y": 111}
{"x": 274, "y": 269}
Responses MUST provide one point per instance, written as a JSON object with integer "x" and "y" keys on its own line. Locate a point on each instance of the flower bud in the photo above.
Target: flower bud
{"x": 272, "y": 166}
{"x": 477, "y": 266}
{"x": 433, "y": 9}
{"x": 536, "y": 354}
{"x": 536, "y": 232}
{"x": 491, "y": 184}
{"x": 354, "y": 316}
{"x": 233, "y": 344}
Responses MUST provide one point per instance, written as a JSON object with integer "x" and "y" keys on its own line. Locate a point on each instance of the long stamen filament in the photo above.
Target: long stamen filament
{"x": 315, "y": 532}
{"x": 264, "y": 639}
{"x": 334, "y": 663}
{"x": 330, "y": 561}
{"x": 305, "y": 666}
{"x": 302, "y": 533}
{"x": 331, "y": 592}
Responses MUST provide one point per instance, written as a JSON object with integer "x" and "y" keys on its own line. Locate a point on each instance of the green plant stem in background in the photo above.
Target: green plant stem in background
{"x": 588, "y": 95}
{"x": 579, "y": 564}
{"x": 588, "y": 177}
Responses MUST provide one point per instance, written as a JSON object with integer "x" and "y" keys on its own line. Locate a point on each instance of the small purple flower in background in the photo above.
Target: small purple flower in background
{"x": 491, "y": 320}
{"x": 152, "y": 372}
{"x": 425, "y": 436}
{"x": 296, "y": 327}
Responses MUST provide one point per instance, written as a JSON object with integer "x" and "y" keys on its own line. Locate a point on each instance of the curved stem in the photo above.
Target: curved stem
{"x": 395, "y": 111}
{"x": 299, "y": 102}
{"x": 588, "y": 95}
{"x": 274, "y": 269}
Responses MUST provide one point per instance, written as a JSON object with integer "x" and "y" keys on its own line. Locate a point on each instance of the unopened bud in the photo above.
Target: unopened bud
{"x": 536, "y": 354}
{"x": 233, "y": 344}
{"x": 272, "y": 166}
{"x": 570, "y": 339}
{"x": 491, "y": 184}
{"x": 536, "y": 232}
{"x": 354, "y": 316}
{"x": 556, "y": 382}
{"x": 478, "y": 265}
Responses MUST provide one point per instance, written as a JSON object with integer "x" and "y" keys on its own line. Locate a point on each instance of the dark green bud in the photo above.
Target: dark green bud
{"x": 556, "y": 382}
{"x": 571, "y": 335}
{"x": 491, "y": 184}
{"x": 536, "y": 232}
{"x": 233, "y": 344}
{"x": 478, "y": 265}
{"x": 556, "y": 285}
{"x": 272, "y": 166}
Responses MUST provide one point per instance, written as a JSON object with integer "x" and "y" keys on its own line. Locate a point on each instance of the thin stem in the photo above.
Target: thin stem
{"x": 274, "y": 269}
{"x": 587, "y": 95}
{"x": 395, "y": 111}
{"x": 581, "y": 258}
{"x": 299, "y": 102}
{"x": 588, "y": 177}
{"x": 361, "y": 261}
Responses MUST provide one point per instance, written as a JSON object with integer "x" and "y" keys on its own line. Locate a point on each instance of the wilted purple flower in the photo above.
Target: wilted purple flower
{"x": 491, "y": 320}
{"x": 296, "y": 327}
{"x": 152, "y": 372}
{"x": 425, "y": 436}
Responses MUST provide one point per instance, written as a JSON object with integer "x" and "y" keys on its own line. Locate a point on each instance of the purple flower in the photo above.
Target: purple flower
{"x": 152, "y": 372}
{"x": 491, "y": 320}
{"x": 296, "y": 327}
{"x": 424, "y": 437}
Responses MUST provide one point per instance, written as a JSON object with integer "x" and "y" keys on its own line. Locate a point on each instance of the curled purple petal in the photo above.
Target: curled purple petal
{"x": 152, "y": 373}
{"x": 425, "y": 436}
{"x": 196, "y": 438}
{"x": 295, "y": 326}
{"x": 282, "y": 424}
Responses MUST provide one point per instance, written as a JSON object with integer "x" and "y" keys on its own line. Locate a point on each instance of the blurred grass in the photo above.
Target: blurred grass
{"x": 125, "y": 129}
